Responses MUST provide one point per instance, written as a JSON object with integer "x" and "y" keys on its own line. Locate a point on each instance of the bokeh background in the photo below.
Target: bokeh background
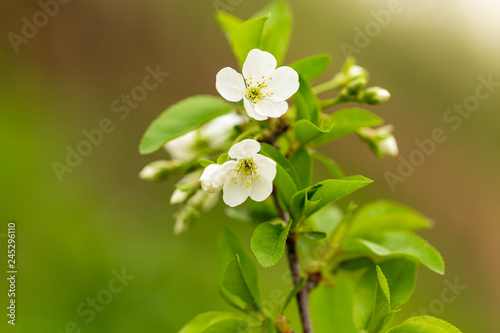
{"x": 72, "y": 234}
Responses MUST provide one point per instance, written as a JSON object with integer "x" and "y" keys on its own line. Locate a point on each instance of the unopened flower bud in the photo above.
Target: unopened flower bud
{"x": 159, "y": 170}
{"x": 380, "y": 140}
{"x": 374, "y": 95}
{"x": 179, "y": 196}
{"x": 356, "y": 71}
{"x": 185, "y": 219}
{"x": 356, "y": 85}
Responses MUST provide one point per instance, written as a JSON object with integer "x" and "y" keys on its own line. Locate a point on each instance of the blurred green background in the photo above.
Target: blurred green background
{"x": 72, "y": 234}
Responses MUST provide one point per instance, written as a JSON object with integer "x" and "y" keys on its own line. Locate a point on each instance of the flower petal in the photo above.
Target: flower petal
{"x": 271, "y": 109}
{"x": 206, "y": 178}
{"x": 244, "y": 149}
{"x": 250, "y": 109}
{"x": 259, "y": 63}
{"x": 261, "y": 189}
{"x": 230, "y": 84}
{"x": 235, "y": 193}
{"x": 213, "y": 177}
{"x": 283, "y": 83}
{"x": 266, "y": 167}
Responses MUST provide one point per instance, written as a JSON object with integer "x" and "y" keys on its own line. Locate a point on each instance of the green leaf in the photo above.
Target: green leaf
{"x": 268, "y": 326}
{"x": 248, "y": 36}
{"x": 205, "y": 163}
{"x": 398, "y": 244}
{"x": 330, "y": 164}
{"x": 386, "y": 215}
{"x": 229, "y": 23}
{"x": 314, "y": 235}
{"x": 312, "y": 67}
{"x": 230, "y": 245}
{"x": 254, "y": 212}
{"x": 223, "y": 158}
{"x": 312, "y": 199}
{"x": 306, "y": 131}
{"x": 371, "y": 301}
{"x": 236, "y": 286}
{"x": 327, "y": 219}
{"x": 268, "y": 242}
{"x": 278, "y": 28}
{"x": 307, "y": 103}
{"x": 401, "y": 277}
{"x": 424, "y": 324}
{"x": 301, "y": 160}
{"x": 276, "y": 156}
{"x": 293, "y": 293}
{"x": 331, "y": 307}
{"x": 344, "y": 122}
{"x": 216, "y": 322}
{"x": 286, "y": 177}
{"x": 180, "y": 118}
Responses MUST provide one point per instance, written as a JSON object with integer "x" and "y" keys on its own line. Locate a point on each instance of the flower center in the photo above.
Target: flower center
{"x": 246, "y": 170}
{"x": 253, "y": 90}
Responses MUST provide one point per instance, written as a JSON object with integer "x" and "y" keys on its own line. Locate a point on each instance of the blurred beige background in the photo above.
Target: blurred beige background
{"x": 73, "y": 233}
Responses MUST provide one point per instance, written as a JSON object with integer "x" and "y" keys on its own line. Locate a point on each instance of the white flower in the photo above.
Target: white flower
{"x": 263, "y": 87}
{"x": 215, "y": 134}
{"x": 382, "y": 139}
{"x": 249, "y": 175}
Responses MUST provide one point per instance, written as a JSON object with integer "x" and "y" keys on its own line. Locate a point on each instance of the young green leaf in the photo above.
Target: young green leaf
{"x": 224, "y": 157}
{"x": 276, "y": 156}
{"x": 229, "y": 23}
{"x": 307, "y": 103}
{"x": 314, "y": 235}
{"x": 306, "y": 131}
{"x": 216, "y": 322}
{"x": 344, "y": 122}
{"x": 401, "y": 277}
{"x": 278, "y": 28}
{"x": 326, "y": 220}
{"x": 268, "y": 326}
{"x": 386, "y": 215}
{"x": 286, "y": 180}
{"x": 312, "y": 67}
{"x": 268, "y": 242}
{"x": 205, "y": 163}
{"x": 398, "y": 244}
{"x": 330, "y": 164}
{"x": 236, "y": 287}
{"x": 293, "y": 293}
{"x": 181, "y": 118}
{"x": 301, "y": 160}
{"x": 230, "y": 245}
{"x": 331, "y": 308}
{"x": 371, "y": 301}
{"x": 310, "y": 200}
{"x": 248, "y": 36}
{"x": 424, "y": 324}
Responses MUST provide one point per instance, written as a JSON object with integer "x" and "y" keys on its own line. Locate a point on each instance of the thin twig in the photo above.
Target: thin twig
{"x": 293, "y": 259}
{"x": 303, "y": 294}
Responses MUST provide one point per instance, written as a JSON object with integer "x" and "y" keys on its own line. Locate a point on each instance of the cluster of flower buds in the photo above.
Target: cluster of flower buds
{"x": 198, "y": 203}
{"x": 193, "y": 199}
{"x": 352, "y": 80}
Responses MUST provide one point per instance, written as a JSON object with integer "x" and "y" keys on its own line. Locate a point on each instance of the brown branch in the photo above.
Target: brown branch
{"x": 293, "y": 259}
{"x": 303, "y": 294}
